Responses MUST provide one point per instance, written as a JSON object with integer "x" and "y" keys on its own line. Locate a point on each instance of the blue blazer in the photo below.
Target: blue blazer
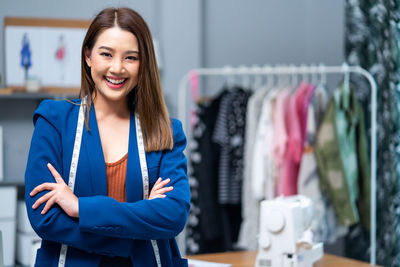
{"x": 105, "y": 226}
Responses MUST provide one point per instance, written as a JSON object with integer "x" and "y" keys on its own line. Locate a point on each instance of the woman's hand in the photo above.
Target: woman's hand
{"x": 159, "y": 190}
{"x": 59, "y": 193}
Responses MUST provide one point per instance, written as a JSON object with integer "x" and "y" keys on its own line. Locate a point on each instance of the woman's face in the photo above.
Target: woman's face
{"x": 114, "y": 63}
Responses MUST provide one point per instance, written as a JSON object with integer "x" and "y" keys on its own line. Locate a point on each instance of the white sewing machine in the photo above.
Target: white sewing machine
{"x": 285, "y": 239}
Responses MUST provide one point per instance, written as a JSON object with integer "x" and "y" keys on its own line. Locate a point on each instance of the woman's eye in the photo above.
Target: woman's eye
{"x": 132, "y": 58}
{"x": 105, "y": 54}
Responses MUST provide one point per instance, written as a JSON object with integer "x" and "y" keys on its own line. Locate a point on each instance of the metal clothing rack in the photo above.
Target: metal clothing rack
{"x": 300, "y": 70}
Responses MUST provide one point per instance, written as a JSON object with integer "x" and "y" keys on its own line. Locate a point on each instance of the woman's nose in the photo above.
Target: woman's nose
{"x": 117, "y": 66}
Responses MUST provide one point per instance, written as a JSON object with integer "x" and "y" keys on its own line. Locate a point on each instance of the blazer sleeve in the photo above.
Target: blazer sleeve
{"x": 56, "y": 225}
{"x": 145, "y": 219}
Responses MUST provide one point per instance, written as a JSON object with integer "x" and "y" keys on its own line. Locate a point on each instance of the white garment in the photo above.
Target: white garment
{"x": 250, "y": 208}
{"x": 263, "y": 169}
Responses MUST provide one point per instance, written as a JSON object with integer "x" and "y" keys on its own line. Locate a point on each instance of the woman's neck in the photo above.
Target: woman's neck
{"x": 110, "y": 109}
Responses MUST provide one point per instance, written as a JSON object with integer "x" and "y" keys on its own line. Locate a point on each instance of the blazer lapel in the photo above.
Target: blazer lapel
{"x": 134, "y": 184}
{"x": 95, "y": 155}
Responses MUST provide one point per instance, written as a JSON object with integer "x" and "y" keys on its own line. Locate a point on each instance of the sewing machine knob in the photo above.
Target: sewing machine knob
{"x": 264, "y": 241}
{"x": 276, "y": 221}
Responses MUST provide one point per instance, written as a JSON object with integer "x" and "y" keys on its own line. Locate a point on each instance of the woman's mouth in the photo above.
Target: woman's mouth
{"x": 115, "y": 83}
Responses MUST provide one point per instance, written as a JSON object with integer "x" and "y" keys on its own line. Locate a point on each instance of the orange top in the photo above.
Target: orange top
{"x": 116, "y": 179}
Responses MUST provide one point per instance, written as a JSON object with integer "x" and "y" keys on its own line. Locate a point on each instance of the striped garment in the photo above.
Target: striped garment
{"x": 116, "y": 177}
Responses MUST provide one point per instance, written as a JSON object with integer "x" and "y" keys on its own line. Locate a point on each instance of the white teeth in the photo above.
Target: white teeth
{"x": 115, "y": 81}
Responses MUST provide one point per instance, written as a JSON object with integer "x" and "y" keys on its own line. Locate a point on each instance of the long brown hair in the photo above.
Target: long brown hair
{"x": 146, "y": 98}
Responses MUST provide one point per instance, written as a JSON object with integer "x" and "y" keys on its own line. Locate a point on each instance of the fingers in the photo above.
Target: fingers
{"x": 55, "y": 174}
{"x": 158, "y": 196}
{"x": 59, "y": 191}
{"x": 164, "y": 190}
{"x": 48, "y": 205}
{"x": 43, "y": 199}
{"x": 160, "y": 184}
{"x": 48, "y": 186}
{"x": 40, "y": 188}
{"x": 159, "y": 189}
{"x": 157, "y": 182}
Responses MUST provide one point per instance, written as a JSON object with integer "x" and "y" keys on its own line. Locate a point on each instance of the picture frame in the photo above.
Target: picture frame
{"x": 43, "y": 53}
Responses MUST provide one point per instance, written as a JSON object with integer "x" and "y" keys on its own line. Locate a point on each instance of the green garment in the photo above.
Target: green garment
{"x": 342, "y": 157}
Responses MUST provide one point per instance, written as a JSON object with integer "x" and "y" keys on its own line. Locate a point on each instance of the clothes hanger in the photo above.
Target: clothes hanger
{"x": 321, "y": 92}
{"x": 287, "y": 76}
{"x": 320, "y": 84}
{"x": 322, "y": 74}
{"x": 229, "y": 77}
{"x": 270, "y": 78}
{"x": 314, "y": 75}
{"x": 294, "y": 77}
{"x": 258, "y": 78}
{"x": 245, "y": 77}
{"x": 346, "y": 72}
{"x": 303, "y": 68}
{"x": 279, "y": 76}
{"x": 346, "y": 86}
{"x": 282, "y": 81}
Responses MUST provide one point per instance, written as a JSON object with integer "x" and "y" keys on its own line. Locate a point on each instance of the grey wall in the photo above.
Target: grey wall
{"x": 273, "y": 32}
{"x": 181, "y": 24}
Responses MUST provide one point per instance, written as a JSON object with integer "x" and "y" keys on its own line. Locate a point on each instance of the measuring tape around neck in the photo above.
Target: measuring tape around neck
{"x": 73, "y": 167}
{"x": 145, "y": 178}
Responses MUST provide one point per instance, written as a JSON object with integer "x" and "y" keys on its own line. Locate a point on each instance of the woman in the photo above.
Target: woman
{"x": 105, "y": 221}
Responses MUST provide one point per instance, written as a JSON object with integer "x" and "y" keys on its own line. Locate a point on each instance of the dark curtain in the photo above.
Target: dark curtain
{"x": 372, "y": 41}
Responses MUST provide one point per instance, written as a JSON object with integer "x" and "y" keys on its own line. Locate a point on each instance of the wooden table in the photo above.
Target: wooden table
{"x": 247, "y": 259}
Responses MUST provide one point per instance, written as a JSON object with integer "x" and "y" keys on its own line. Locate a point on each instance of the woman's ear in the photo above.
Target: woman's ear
{"x": 87, "y": 57}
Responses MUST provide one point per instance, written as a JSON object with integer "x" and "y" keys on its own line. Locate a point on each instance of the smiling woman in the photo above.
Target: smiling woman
{"x": 117, "y": 209}
{"x": 114, "y": 64}
{"x": 147, "y": 98}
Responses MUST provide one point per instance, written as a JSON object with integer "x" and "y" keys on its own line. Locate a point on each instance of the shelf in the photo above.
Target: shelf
{"x": 39, "y": 95}
{"x": 45, "y": 92}
{"x": 10, "y": 183}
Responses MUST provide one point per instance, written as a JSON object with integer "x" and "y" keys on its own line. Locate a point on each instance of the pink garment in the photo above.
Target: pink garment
{"x": 301, "y": 109}
{"x": 194, "y": 85}
{"x": 296, "y": 124}
{"x": 280, "y": 132}
{"x": 194, "y": 90}
{"x": 287, "y": 181}
{"x": 280, "y": 139}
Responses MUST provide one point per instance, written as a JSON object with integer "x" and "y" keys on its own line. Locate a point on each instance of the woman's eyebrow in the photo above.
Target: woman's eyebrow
{"x": 112, "y": 50}
{"x": 132, "y": 52}
{"x": 106, "y": 48}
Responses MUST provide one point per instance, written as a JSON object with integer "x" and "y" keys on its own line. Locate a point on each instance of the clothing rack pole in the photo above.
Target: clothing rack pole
{"x": 344, "y": 69}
